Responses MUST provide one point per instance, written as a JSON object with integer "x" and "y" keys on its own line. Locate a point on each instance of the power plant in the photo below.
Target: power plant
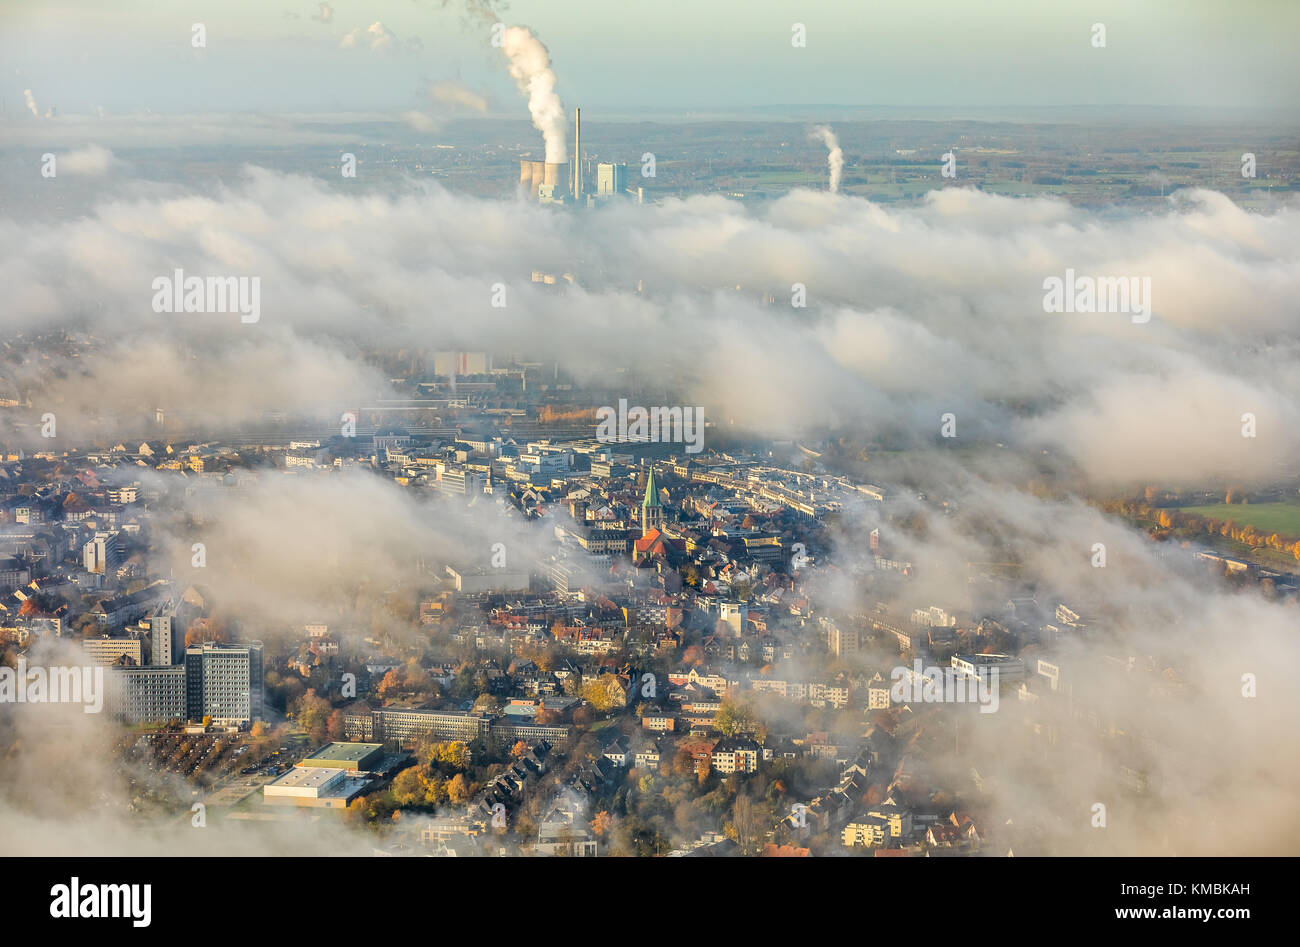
{"x": 550, "y": 183}
{"x": 544, "y": 182}
{"x": 563, "y": 183}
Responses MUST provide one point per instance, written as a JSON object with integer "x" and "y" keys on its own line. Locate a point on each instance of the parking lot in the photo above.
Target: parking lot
{"x": 217, "y": 765}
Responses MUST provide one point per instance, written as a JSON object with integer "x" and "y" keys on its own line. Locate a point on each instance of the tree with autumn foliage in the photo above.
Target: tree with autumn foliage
{"x": 407, "y": 790}
{"x": 605, "y": 693}
{"x": 748, "y": 825}
{"x": 313, "y": 713}
{"x": 39, "y": 604}
{"x": 206, "y": 629}
{"x": 683, "y": 762}
{"x": 336, "y": 726}
{"x": 450, "y": 755}
{"x": 736, "y": 716}
{"x": 458, "y": 790}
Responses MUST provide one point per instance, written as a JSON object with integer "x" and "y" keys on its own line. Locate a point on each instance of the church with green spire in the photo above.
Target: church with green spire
{"x": 652, "y": 511}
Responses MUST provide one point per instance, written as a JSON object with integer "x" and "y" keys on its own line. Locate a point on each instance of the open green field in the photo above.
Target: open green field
{"x": 1281, "y": 518}
{"x": 783, "y": 178}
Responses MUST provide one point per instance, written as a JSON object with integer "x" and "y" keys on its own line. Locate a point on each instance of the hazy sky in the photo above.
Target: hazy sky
{"x": 131, "y": 55}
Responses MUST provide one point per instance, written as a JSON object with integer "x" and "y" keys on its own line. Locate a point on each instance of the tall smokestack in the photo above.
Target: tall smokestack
{"x": 577, "y": 155}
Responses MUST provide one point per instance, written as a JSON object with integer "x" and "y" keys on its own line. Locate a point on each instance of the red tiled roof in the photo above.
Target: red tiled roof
{"x": 771, "y": 850}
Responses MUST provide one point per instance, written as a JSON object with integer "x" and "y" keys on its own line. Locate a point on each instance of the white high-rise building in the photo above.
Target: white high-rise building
{"x": 102, "y": 554}
{"x": 224, "y": 682}
{"x": 167, "y": 635}
{"x": 611, "y": 180}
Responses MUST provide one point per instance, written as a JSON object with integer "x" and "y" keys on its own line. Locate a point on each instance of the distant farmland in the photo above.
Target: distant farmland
{"x": 1283, "y": 518}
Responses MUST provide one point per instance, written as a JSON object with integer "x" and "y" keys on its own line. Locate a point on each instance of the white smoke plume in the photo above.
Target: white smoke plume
{"x": 835, "y": 159}
{"x": 31, "y": 102}
{"x": 530, "y": 66}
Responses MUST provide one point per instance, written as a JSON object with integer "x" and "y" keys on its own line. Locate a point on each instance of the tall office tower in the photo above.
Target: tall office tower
{"x": 611, "y": 180}
{"x": 167, "y": 635}
{"x": 102, "y": 553}
{"x": 145, "y": 694}
{"x": 224, "y": 682}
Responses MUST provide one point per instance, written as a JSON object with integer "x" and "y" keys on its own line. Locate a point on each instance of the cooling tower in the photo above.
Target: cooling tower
{"x": 534, "y": 175}
{"x": 557, "y": 176}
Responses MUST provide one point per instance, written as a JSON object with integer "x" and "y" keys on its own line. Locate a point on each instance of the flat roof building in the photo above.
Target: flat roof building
{"x": 314, "y": 786}
{"x": 350, "y": 757}
{"x": 408, "y": 726}
{"x": 978, "y": 665}
{"x": 107, "y": 651}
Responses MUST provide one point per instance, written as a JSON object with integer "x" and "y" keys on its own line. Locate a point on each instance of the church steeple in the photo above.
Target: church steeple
{"x": 652, "y": 511}
{"x": 651, "y": 494}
